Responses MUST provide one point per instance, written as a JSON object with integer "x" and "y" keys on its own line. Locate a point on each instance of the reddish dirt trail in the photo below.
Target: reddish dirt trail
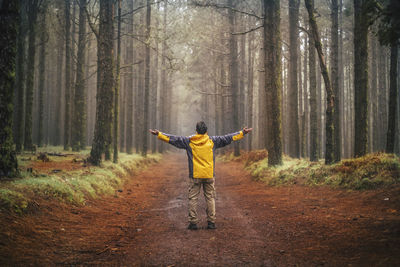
{"x": 145, "y": 225}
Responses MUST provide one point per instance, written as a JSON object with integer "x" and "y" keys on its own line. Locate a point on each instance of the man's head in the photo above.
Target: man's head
{"x": 201, "y": 127}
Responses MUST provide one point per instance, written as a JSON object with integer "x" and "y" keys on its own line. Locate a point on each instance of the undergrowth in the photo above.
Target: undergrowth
{"x": 72, "y": 186}
{"x": 376, "y": 170}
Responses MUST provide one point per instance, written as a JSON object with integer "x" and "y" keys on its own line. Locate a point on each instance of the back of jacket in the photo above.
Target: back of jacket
{"x": 200, "y": 149}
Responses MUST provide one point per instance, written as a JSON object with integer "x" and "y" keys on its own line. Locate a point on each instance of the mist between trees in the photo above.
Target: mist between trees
{"x": 316, "y": 79}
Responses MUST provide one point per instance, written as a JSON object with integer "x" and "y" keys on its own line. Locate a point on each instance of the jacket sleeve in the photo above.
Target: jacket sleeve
{"x": 177, "y": 141}
{"x": 223, "y": 140}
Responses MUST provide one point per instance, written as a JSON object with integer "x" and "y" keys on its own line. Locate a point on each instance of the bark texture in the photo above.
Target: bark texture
{"x": 273, "y": 85}
{"x": 8, "y": 42}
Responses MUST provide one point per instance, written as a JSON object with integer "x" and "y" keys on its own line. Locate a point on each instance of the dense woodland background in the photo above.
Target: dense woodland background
{"x": 315, "y": 82}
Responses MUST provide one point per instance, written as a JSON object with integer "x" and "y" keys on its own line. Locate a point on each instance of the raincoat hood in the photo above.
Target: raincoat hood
{"x": 199, "y": 139}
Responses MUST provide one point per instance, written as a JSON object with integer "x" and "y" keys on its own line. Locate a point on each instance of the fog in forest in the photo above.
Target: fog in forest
{"x": 109, "y": 70}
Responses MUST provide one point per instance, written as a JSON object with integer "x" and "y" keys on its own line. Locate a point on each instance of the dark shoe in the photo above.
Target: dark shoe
{"x": 211, "y": 225}
{"x": 193, "y": 226}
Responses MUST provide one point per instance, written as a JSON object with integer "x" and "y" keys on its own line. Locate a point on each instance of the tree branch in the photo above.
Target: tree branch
{"x": 198, "y": 4}
{"x": 206, "y": 93}
{"x": 245, "y": 32}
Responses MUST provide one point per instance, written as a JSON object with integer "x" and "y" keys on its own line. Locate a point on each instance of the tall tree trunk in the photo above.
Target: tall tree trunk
{"x": 20, "y": 79}
{"x": 272, "y": 48}
{"x": 117, "y": 85}
{"x": 105, "y": 80}
{"x": 335, "y": 80}
{"x": 293, "y": 127}
{"x": 79, "y": 114}
{"x": 129, "y": 82}
{"x": 234, "y": 72}
{"x": 58, "y": 93}
{"x": 262, "y": 112}
{"x": 360, "y": 77}
{"x": 67, "y": 73}
{"x": 306, "y": 117}
{"x": 242, "y": 79}
{"x": 392, "y": 98}
{"x": 314, "y": 155}
{"x": 154, "y": 95}
{"x": 250, "y": 77}
{"x": 8, "y": 32}
{"x": 30, "y": 72}
{"x": 382, "y": 102}
{"x": 42, "y": 70}
{"x": 329, "y": 93}
{"x": 146, "y": 83}
{"x": 163, "y": 85}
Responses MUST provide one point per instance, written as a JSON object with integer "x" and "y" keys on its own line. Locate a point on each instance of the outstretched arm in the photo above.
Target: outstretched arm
{"x": 223, "y": 140}
{"x": 177, "y": 141}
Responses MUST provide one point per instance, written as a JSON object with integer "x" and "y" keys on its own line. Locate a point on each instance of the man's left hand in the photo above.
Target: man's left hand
{"x": 247, "y": 130}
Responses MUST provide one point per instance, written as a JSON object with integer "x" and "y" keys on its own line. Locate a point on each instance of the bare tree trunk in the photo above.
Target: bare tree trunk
{"x": 117, "y": 86}
{"x": 360, "y": 77}
{"x": 20, "y": 78}
{"x": 293, "y": 127}
{"x": 146, "y": 82}
{"x": 42, "y": 70}
{"x": 8, "y": 28}
{"x": 154, "y": 95}
{"x": 79, "y": 112}
{"x": 314, "y": 140}
{"x": 105, "y": 80}
{"x": 392, "y": 98}
{"x": 335, "y": 80}
{"x": 163, "y": 89}
{"x": 234, "y": 72}
{"x": 67, "y": 73}
{"x": 250, "y": 77}
{"x": 129, "y": 83}
{"x": 33, "y": 7}
{"x": 329, "y": 93}
{"x": 272, "y": 48}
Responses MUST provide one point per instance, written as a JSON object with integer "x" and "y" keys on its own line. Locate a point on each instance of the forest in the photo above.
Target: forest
{"x": 319, "y": 82}
{"x": 83, "y": 81}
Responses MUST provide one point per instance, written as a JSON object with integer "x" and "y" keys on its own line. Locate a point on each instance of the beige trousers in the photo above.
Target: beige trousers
{"x": 195, "y": 185}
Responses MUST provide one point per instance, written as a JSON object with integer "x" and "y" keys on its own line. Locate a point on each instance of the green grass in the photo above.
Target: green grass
{"x": 69, "y": 186}
{"x": 376, "y": 170}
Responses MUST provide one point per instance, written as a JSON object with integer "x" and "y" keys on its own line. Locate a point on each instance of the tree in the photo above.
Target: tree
{"x": 58, "y": 95}
{"x": 105, "y": 83}
{"x": 330, "y": 100}
{"x": 8, "y": 44}
{"x": 389, "y": 34}
{"x": 234, "y": 72}
{"x": 272, "y": 66}
{"x": 67, "y": 73}
{"x": 335, "y": 79}
{"x": 313, "y": 97}
{"x": 363, "y": 10}
{"x": 129, "y": 82}
{"x": 163, "y": 89}
{"x": 146, "y": 81}
{"x": 293, "y": 129}
{"x": 250, "y": 85}
{"x": 78, "y": 141}
{"x": 33, "y": 6}
{"x": 20, "y": 78}
{"x": 117, "y": 86}
{"x": 42, "y": 66}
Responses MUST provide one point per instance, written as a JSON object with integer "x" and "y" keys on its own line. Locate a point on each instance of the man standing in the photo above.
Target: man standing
{"x": 200, "y": 149}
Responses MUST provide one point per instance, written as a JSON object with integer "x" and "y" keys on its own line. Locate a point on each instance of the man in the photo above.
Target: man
{"x": 200, "y": 149}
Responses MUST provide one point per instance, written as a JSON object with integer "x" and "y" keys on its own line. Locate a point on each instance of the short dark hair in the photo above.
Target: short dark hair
{"x": 201, "y": 127}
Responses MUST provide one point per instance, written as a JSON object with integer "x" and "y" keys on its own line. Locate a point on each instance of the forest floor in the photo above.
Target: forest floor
{"x": 145, "y": 224}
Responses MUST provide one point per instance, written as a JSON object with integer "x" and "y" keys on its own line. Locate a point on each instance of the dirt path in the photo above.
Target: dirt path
{"x": 145, "y": 224}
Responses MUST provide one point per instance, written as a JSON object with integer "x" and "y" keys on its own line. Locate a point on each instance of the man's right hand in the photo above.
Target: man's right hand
{"x": 154, "y": 132}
